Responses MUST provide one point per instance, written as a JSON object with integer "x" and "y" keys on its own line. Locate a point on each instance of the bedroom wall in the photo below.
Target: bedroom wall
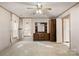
{"x": 5, "y": 18}
{"x": 74, "y": 22}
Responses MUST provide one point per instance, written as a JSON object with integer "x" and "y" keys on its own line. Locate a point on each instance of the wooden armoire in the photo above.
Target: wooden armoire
{"x": 52, "y": 30}
{"x": 43, "y": 35}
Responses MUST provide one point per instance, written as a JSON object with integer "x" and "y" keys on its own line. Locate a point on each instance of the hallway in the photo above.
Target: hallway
{"x": 37, "y": 48}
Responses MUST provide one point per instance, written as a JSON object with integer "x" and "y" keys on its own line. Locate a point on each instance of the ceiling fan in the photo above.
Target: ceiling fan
{"x": 40, "y": 9}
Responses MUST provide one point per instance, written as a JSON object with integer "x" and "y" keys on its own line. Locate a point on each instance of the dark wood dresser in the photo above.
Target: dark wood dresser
{"x": 41, "y": 37}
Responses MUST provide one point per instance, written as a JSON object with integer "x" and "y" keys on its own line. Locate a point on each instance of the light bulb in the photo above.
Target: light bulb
{"x": 39, "y": 11}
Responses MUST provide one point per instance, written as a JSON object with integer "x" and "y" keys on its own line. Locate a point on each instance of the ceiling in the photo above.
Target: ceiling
{"x": 21, "y": 8}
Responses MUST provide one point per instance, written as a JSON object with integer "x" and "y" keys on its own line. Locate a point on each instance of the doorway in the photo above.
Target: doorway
{"x": 66, "y": 30}
{"x": 27, "y": 30}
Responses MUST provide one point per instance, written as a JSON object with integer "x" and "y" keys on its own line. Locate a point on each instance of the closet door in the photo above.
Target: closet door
{"x": 52, "y": 29}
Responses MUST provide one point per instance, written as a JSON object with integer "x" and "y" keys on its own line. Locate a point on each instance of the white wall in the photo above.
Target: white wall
{"x": 74, "y": 20}
{"x": 15, "y": 26}
{"x": 5, "y": 18}
{"x": 75, "y": 28}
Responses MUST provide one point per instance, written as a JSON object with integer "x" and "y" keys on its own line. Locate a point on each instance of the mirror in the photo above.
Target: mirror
{"x": 41, "y": 27}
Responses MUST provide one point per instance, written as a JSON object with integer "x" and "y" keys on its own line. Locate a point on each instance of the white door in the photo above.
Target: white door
{"x": 66, "y": 31}
{"x": 15, "y": 26}
{"x": 27, "y": 30}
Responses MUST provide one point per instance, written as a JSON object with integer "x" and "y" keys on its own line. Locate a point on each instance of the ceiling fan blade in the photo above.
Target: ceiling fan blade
{"x": 30, "y": 8}
{"x": 39, "y": 6}
{"x": 27, "y": 3}
{"x": 48, "y": 8}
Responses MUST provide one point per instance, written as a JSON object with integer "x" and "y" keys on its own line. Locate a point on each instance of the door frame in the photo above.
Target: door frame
{"x": 67, "y": 16}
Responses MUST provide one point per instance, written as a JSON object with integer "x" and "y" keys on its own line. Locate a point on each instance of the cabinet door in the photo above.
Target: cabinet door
{"x": 52, "y": 29}
{"x": 36, "y": 37}
{"x": 47, "y": 37}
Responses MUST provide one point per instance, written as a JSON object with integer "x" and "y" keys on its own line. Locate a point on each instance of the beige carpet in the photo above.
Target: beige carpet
{"x": 37, "y": 48}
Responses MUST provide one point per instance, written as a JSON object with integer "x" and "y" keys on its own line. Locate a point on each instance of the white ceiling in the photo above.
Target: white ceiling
{"x": 20, "y": 8}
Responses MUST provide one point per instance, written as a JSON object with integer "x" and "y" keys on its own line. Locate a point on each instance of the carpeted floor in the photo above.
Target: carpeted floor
{"x": 37, "y": 48}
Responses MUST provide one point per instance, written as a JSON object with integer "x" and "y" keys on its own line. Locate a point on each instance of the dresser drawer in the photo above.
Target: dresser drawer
{"x": 41, "y": 36}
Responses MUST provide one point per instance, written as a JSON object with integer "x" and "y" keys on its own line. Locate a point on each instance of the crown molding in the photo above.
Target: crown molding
{"x": 68, "y": 9}
{"x": 8, "y": 10}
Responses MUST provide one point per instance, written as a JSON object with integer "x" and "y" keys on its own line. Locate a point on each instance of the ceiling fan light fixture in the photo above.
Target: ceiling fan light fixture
{"x": 39, "y": 5}
{"x": 39, "y": 11}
